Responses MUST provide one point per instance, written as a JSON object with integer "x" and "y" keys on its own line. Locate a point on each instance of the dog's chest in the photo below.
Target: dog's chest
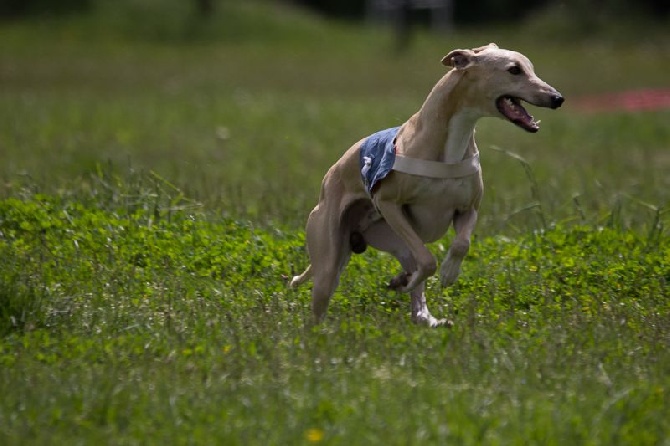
{"x": 430, "y": 204}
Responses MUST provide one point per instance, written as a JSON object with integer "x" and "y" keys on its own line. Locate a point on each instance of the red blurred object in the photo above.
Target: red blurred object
{"x": 631, "y": 101}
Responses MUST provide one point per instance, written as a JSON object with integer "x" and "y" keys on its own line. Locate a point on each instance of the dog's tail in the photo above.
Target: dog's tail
{"x": 299, "y": 280}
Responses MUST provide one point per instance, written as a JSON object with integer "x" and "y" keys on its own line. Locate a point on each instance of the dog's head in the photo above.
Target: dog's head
{"x": 499, "y": 80}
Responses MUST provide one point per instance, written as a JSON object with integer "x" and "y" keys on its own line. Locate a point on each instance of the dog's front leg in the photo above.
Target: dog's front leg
{"x": 420, "y": 313}
{"x": 464, "y": 224}
{"x": 425, "y": 262}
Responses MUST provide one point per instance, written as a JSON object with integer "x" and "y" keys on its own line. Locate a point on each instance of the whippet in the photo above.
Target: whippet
{"x": 425, "y": 178}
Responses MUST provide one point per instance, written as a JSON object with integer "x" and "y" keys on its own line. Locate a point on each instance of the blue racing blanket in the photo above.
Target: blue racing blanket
{"x": 377, "y": 157}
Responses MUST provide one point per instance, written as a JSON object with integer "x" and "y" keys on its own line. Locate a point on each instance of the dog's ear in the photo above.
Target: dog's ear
{"x": 485, "y": 47}
{"x": 461, "y": 59}
{"x": 458, "y": 59}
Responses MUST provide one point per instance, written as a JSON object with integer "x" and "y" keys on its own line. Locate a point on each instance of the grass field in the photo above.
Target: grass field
{"x": 154, "y": 182}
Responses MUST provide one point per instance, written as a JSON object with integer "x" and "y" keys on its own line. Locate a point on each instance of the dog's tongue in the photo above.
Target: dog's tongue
{"x": 515, "y": 112}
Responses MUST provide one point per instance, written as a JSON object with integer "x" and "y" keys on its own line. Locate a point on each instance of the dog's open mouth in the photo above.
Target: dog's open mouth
{"x": 511, "y": 108}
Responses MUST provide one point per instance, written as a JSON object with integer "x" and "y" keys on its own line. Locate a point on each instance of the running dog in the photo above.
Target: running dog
{"x": 401, "y": 188}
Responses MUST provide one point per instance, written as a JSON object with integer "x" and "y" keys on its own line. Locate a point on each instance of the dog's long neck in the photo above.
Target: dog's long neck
{"x": 460, "y": 136}
{"x": 443, "y": 129}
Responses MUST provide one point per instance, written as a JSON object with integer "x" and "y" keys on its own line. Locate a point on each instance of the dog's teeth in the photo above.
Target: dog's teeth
{"x": 538, "y": 121}
{"x": 510, "y": 103}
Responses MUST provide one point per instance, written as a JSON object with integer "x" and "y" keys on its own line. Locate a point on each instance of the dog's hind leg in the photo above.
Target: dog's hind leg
{"x": 382, "y": 237}
{"x": 464, "y": 224}
{"x": 326, "y": 276}
{"x": 329, "y": 251}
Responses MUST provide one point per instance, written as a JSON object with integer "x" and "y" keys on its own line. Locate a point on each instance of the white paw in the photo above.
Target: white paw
{"x": 427, "y": 320}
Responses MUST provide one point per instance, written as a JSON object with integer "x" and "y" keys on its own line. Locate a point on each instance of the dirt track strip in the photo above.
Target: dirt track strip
{"x": 631, "y": 101}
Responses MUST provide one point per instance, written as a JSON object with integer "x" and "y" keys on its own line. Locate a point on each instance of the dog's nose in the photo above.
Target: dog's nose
{"x": 556, "y": 101}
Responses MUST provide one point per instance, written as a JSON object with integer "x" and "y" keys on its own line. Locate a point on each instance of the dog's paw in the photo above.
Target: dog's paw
{"x": 399, "y": 282}
{"x": 446, "y": 323}
{"x": 449, "y": 273}
{"x": 427, "y": 320}
{"x": 419, "y": 276}
{"x": 413, "y": 280}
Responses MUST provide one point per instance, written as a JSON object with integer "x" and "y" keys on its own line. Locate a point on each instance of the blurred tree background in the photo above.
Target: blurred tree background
{"x": 481, "y": 11}
{"x": 463, "y": 12}
{"x": 19, "y": 8}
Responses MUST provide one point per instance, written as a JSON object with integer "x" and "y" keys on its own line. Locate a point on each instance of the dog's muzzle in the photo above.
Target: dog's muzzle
{"x": 556, "y": 101}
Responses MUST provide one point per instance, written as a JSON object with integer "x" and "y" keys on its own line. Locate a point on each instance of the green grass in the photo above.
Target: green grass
{"x": 154, "y": 183}
{"x": 154, "y": 325}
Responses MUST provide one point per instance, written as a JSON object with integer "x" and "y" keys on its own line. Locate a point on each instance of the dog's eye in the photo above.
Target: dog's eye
{"x": 515, "y": 70}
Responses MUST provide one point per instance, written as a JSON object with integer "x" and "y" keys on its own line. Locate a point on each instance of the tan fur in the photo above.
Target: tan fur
{"x": 407, "y": 211}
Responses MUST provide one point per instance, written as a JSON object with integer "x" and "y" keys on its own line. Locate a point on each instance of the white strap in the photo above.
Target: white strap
{"x": 436, "y": 169}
